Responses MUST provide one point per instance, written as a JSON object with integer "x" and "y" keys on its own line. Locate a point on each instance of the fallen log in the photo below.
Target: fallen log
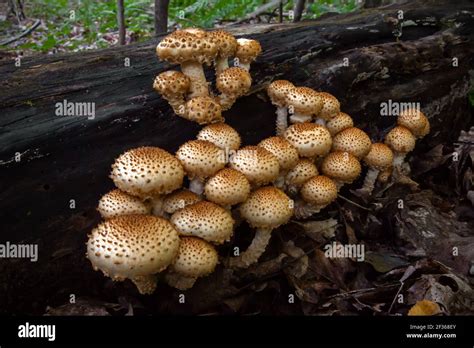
{"x": 55, "y": 168}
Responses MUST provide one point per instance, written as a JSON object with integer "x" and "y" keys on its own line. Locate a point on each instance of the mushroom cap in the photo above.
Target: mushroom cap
{"x": 400, "y": 139}
{"x": 426, "y": 130}
{"x": 227, "y": 187}
{"x": 117, "y": 202}
{"x": 310, "y": 139}
{"x": 235, "y": 81}
{"x": 196, "y": 258}
{"x": 260, "y": 166}
{"x": 221, "y": 135}
{"x": 147, "y": 171}
{"x": 331, "y": 106}
{"x": 247, "y": 50}
{"x": 319, "y": 190}
{"x": 379, "y": 157}
{"x": 179, "y": 199}
{"x": 301, "y": 172}
{"x": 204, "y": 110}
{"x": 341, "y": 166}
{"x": 304, "y": 100}
{"x": 414, "y": 120}
{"x": 205, "y": 220}
{"x": 281, "y": 148}
{"x": 187, "y": 45}
{"x": 278, "y": 90}
{"x": 385, "y": 174}
{"x": 171, "y": 83}
{"x": 352, "y": 140}
{"x": 267, "y": 207}
{"x": 132, "y": 245}
{"x": 226, "y": 42}
{"x": 339, "y": 122}
{"x": 201, "y": 158}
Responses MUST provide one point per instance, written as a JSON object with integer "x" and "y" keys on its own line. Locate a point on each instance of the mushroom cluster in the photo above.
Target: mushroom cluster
{"x": 188, "y": 92}
{"x": 169, "y": 214}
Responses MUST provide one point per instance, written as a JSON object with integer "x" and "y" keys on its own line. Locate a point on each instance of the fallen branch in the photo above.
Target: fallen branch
{"x": 23, "y": 34}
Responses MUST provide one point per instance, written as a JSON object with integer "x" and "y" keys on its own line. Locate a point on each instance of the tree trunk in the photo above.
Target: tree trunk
{"x": 298, "y": 10}
{"x": 121, "y": 21}
{"x": 55, "y": 167}
{"x": 161, "y": 16}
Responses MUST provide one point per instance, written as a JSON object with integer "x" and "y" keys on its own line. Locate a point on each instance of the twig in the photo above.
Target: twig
{"x": 354, "y": 203}
{"x": 259, "y": 11}
{"x": 23, "y": 34}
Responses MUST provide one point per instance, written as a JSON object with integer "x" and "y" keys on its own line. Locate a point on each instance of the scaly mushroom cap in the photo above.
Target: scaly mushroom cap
{"x": 380, "y": 157}
{"x": 116, "y": 203}
{"x": 226, "y": 42}
{"x": 221, "y": 135}
{"x": 339, "y": 122}
{"x": 414, "y": 120}
{"x": 341, "y": 166}
{"x": 304, "y": 100}
{"x": 257, "y": 164}
{"x": 331, "y": 106}
{"x": 196, "y": 258}
{"x": 132, "y": 245}
{"x": 247, "y": 50}
{"x": 278, "y": 90}
{"x": 352, "y": 140}
{"x": 179, "y": 199}
{"x": 227, "y": 187}
{"x": 267, "y": 207}
{"x": 187, "y": 45}
{"x": 301, "y": 172}
{"x": 201, "y": 158}
{"x": 400, "y": 139}
{"x": 310, "y": 139}
{"x": 235, "y": 81}
{"x": 281, "y": 148}
{"x": 147, "y": 171}
{"x": 205, "y": 220}
{"x": 319, "y": 191}
{"x": 172, "y": 83}
{"x": 203, "y": 110}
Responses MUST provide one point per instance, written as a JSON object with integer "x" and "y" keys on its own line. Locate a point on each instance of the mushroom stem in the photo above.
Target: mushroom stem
{"x": 179, "y": 281}
{"x": 226, "y": 100}
{"x": 254, "y": 251}
{"x": 199, "y": 86}
{"x": 304, "y": 210}
{"x": 280, "y": 181}
{"x": 221, "y": 63}
{"x": 299, "y": 118}
{"x": 281, "y": 120}
{"x": 146, "y": 285}
{"x": 245, "y": 66}
{"x": 196, "y": 185}
{"x": 369, "y": 182}
{"x": 398, "y": 158}
{"x": 178, "y": 104}
{"x": 320, "y": 121}
{"x": 157, "y": 206}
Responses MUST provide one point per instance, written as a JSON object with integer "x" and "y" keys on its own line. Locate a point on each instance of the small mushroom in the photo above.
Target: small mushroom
{"x": 415, "y": 121}
{"x": 384, "y": 175}
{"x": 227, "y": 187}
{"x": 311, "y": 140}
{"x": 134, "y": 247}
{"x": 330, "y": 108}
{"x": 278, "y": 91}
{"x": 316, "y": 193}
{"x": 200, "y": 159}
{"x": 191, "y": 49}
{"x": 299, "y": 174}
{"x": 266, "y": 209}
{"x": 286, "y": 154}
{"x": 117, "y": 202}
{"x": 178, "y": 200}
{"x": 149, "y": 173}
{"x": 222, "y": 135}
{"x": 196, "y": 258}
{"x": 173, "y": 86}
{"x": 247, "y": 51}
{"x": 338, "y": 123}
{"x": 205, "y": 220}
{"x": 342, "y": 167}
{"x": 401, "y": 141}
{"x": 203, "y": 110}
{"x": 379, "y": 158}
{"x": 303, "y": 103}
{"x": 232, "y": 83}
{"x": 227, "y": 45}
{"x": 260, "y": 166}
{"x": 352, "y": 140}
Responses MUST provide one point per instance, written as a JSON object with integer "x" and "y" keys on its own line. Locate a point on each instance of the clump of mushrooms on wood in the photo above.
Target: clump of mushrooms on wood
{"x": 169, "y": 214}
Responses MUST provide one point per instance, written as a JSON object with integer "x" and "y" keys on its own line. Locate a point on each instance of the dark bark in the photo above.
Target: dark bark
{"x": 298, "y": 10}
{"x": 64, "y": 158}
{"x": 121, "y": 21}
{"x": 161, "y": 16}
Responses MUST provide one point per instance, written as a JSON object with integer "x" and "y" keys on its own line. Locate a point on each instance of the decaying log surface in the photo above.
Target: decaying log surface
{"x": 49, "y": 196}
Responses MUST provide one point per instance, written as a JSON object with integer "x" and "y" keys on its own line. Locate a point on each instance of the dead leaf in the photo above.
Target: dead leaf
{"x": 424, "y": 307}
